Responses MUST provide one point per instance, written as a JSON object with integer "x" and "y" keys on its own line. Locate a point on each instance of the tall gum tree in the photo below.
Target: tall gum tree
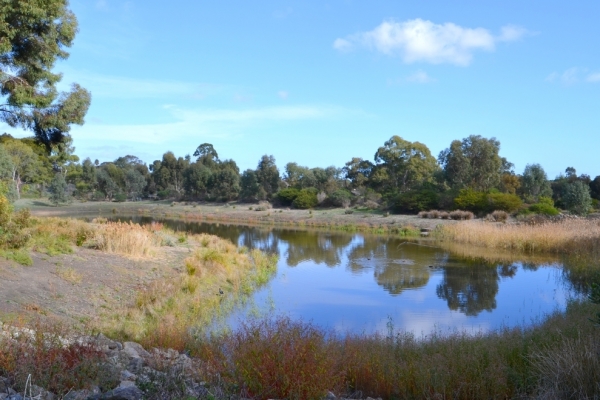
{"x": 33, "y": 35}
{"x": 403, "y": 165}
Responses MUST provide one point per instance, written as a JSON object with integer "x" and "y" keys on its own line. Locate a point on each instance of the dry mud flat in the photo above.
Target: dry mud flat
{"x": 78, "y": 287}
{"x": 335, "y": 218}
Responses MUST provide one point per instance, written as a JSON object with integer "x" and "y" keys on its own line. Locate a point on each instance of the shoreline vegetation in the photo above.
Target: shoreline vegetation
{"x": 281, "y": 358}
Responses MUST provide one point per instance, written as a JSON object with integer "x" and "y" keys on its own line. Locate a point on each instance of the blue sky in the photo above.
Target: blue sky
{"x": 320, "y": 82}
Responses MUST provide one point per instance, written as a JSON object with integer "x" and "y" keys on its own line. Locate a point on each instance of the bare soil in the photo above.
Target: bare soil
{"x": 81, "y": 286}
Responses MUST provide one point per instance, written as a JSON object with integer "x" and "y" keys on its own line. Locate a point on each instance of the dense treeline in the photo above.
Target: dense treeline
{"x": 403, "y": 177}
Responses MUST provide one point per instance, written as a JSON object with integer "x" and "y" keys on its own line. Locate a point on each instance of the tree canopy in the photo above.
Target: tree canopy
{"x": 33, "y": 35}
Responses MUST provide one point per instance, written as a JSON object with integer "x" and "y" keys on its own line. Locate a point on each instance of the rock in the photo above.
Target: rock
{"x": 78, "y": 395}
{"x": 106, "y": 343}
{"x": 122, "y": 393}
{"x": 135, "y": 349}
{"x": 135, "y": 365}
{"x": 128, "y": 376}
{"x": 41, "y": 393}
{"x": 330, "y": 396}
{"x": 15, "y": 397}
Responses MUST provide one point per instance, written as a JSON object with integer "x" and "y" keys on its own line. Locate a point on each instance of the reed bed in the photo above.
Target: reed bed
{"x": 572, "y": 236}
{"x": 126, "y": 238}
{"x": 216, "y": 275}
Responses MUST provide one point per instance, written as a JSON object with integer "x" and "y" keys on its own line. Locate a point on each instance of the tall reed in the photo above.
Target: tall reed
{"x": 565, "y": 237}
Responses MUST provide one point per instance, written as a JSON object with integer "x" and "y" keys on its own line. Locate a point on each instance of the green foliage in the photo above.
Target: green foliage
{"x": 249, "y": 186}
{"x": 577, "y": 198}
{"x": 534, "y": 182}
{"x": 545, "y": 206}
{"x": 503, "y": 201}
{"x": 267, "y": 177}
{"x": 415, "y": 200}
{"x": 474, "y": 163}
{"x": 306, "y": 198}
{"x": 402, "y": 164}
{"x": 341, "y": 198}
{"x": 482, "y": 202}
{"x": 287, "y": 196}
{"x": 120, "y": 197}
{"x": 58, "y": 190}
{"x": 34, "y": 36}
{"x": 472, "y": 200}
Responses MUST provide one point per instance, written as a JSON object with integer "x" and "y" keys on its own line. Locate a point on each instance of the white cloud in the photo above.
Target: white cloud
{"x": 283, "y": 94}
{"x": 593, "y": 77}
{"x": 574, "y": 75}
{"x": 101, "y": 5}
{"x": 419, "y": 40}
{"x": 420, "y": 76}
{"x": 109, "y": 86}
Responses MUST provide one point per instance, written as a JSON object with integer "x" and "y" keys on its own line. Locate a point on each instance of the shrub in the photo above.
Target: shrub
{"x": 263, "y": 206}
{"x": 499, "y": 216}
{"x": 472, "y": 200}
{"x": 444, "y": 215}
{"x": 480, "y": 202}
{"x": 321, "y": 196}
{"x": 278, "y": 359}
{"x": 120, "y": 197}
{"x": 307, "y": 198}
{"x": 461, "y": 215}
{"x": 503, "y": 201}
{"x": 340, "y": 198}
{"x": 543, "y": 208}
{"x": 577, "y": 198}
{"x": 415, "y": 201}
{"x": 287, "y": 196}
{"x": 423, "y": 214}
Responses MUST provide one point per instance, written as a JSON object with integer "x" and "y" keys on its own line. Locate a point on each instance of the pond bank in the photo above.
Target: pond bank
{"x": 334, "y": 219}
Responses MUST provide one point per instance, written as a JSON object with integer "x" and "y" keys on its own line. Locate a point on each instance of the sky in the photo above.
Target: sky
{"x": 320, "y": 82}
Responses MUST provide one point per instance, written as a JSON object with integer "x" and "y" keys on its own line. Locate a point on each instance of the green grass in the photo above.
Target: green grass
{"x": 20, "y": 256}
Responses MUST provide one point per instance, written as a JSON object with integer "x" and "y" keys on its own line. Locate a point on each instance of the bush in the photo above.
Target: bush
{"x": 498, "y": 216}
{"x": 461, "y": 215}
{"x": 120, "y": 197}
{"x": 341, "y": 198}
{"x": 480, "y": 202}
{"x": 415, "y": 201}
{"x": 472, "y": 200}
{"x": 287, "y": 196}
{"x": 504, "y": 202}
{"x": 307, "y": 198}
{"x": 577, "y": 198}
{"x": 544, "y": 209}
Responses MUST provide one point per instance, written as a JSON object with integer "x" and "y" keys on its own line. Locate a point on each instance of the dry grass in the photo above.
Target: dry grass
{"x": 565, "y": 237}
{"x": 127, "y": 239}
{"x": 163, "y": 311}
{"x": 69, "y": 275}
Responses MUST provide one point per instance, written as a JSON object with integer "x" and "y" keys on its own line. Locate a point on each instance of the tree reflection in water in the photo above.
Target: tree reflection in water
{"x": 468, "y": 284}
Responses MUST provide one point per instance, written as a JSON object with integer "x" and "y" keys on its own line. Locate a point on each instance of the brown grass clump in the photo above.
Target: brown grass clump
{"x": 499, "y": 216}
{"x": 565, "y": 237}
{"x": 126, "y": 238}
{"x": 444, "y": 215}
{"x": 461, "y": 215}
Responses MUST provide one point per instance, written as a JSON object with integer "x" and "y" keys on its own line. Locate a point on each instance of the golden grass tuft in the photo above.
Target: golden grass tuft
{"x": 69, "y": 274}
{"x": 573, "y": 237}
{"x": 126, "y": 238}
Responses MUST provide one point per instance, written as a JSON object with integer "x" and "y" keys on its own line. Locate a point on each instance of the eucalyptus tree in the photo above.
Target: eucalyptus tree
{"x": 34, "y": 35}
{"x": 402, "y": 165}
{"x": 534, "y": 183}
{"x": 267, "y": 176}
{"x": 474, "y": 163}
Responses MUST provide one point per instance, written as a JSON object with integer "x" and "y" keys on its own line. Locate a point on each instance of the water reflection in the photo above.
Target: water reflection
{"x": 358, "y": 281}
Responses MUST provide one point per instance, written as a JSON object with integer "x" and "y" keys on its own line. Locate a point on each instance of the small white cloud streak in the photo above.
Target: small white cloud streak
{"x": 574, "y": 75}
{"x": 283, "y": 94}
{"x": 419, "y": 40}
{"x": 108, "y": 86}
{"x": 420, "y": 76}
{"x": 594, "y": 77}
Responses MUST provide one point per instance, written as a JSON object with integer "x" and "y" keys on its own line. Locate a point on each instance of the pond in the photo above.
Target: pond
{"x": 367, "y": 283}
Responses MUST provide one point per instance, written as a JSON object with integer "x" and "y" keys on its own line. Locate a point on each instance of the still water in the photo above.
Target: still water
{"x": 366, "y": 283}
